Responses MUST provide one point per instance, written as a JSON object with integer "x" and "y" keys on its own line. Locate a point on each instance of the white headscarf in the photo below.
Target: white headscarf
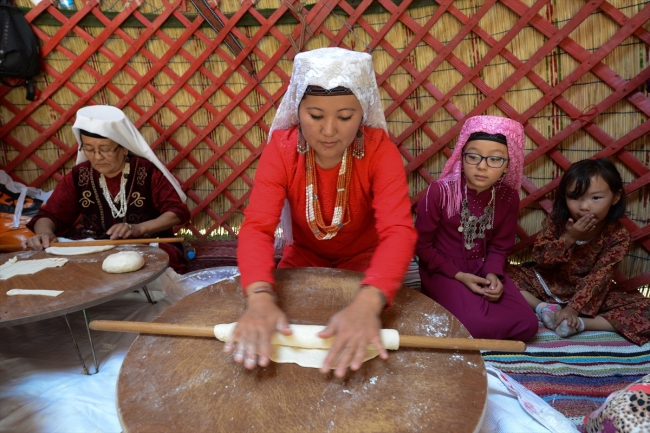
{"x": 111, "y": 122}
{"x": 329, "y": 68}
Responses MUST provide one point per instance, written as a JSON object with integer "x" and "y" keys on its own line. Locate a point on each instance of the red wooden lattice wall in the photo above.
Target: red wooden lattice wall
{"x": 205, "y": 99}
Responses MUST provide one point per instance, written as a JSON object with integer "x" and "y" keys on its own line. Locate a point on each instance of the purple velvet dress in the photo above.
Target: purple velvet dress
{"x": 442, "y": 255}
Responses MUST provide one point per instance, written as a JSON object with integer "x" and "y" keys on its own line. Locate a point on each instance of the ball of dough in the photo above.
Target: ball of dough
{"x": 124, "y": 261}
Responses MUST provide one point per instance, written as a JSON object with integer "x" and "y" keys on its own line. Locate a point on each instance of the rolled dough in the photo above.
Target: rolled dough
{"x": 77, "y": 251}
{"x": 14, "y": 292}
{"x": 122, "y": 262}
{"x": 14, "y": 267}
{"x": 304, "y": 347}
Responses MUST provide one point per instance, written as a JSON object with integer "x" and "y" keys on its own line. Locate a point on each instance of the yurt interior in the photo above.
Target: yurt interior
{"x": 216, "y": 184}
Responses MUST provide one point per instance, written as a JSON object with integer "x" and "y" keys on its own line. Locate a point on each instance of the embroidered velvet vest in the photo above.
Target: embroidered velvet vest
{"x": 95, "y": 213}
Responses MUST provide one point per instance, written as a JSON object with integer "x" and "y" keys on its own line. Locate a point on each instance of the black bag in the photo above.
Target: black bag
{"x": 19, "y": 51}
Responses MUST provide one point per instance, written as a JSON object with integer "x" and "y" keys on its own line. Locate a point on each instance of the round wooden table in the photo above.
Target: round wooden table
{"x": 82, "y": 280}
{"x": 170, "y": 384}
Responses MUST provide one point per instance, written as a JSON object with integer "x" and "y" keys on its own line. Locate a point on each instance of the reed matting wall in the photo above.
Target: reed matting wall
{"x": 575, "y": 73}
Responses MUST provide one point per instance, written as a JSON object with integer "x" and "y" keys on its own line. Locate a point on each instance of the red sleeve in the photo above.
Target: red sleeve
{"x": 261, "y": 217}
{"x": 165, "y": 198}
{"x": 427, "y": 222}
{"x": 394, "y": 222}
{"x": 503, "y": 236}
{"x": 61, "y": 207}
{"x": 592, "y": 289}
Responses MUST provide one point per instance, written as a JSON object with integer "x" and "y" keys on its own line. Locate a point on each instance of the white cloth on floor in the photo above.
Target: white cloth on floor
{"x": 513, "y": 408}
{"x": 177, "y": 286}
{"x": 41, "y": 385}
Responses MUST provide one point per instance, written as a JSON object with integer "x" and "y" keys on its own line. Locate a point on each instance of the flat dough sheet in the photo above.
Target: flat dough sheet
{"x": 14, "y": 267}
{"x": 77, "y": 251}
{"x": 304, "y": 347}
{"x": 40, "y": 292}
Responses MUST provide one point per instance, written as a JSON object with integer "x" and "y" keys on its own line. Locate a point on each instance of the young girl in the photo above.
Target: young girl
{"x": 466, "y": 226}
{"x": 570, "y": 287}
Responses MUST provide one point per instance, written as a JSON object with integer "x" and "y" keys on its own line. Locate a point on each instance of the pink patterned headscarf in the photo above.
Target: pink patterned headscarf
{"x": 449, "y": 180}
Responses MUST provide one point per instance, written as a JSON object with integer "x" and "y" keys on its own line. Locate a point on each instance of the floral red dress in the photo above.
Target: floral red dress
{"x": 581, "y": 277}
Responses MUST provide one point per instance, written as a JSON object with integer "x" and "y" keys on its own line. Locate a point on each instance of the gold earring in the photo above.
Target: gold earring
{"x": 302, "y": 143}
{"x": 358, "y": 151}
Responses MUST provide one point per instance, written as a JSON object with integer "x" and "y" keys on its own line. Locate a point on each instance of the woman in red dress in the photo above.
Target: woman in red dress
{"x": 330, "y": 164}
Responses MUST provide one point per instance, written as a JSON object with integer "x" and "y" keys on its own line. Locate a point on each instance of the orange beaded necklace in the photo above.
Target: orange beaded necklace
{"x": 341, "y": 207}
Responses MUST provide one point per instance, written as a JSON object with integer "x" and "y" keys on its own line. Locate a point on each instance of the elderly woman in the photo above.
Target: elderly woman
{"x": 118, "y": 189}
{"x": 330, "y": 164}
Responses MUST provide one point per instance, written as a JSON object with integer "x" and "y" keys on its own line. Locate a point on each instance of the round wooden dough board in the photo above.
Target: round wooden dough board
{"x": 170, "y": 384}
{"x": 82, "y": 280}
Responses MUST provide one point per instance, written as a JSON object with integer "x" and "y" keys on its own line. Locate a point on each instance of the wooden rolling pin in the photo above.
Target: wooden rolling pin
{"x": 101, "y": 242}
{"x": 404, "y": 340}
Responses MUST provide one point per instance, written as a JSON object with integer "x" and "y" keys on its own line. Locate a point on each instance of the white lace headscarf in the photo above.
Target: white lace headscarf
{"x": 111, "y": 122}
{"x": 329, "y": 68}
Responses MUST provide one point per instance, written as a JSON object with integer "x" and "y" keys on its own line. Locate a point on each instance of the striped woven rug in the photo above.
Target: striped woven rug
{"x": 575, "y": 375}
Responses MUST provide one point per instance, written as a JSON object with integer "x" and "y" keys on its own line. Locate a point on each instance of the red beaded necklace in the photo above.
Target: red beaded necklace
{"x": 341, "y": 207}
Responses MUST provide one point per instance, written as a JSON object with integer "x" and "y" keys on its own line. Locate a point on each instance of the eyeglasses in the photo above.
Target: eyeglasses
{"x": 103, "y": 153}
{"x": 491, "y": 161}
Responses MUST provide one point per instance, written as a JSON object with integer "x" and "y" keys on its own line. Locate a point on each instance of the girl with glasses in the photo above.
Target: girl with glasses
{"x": 466, "y": 226}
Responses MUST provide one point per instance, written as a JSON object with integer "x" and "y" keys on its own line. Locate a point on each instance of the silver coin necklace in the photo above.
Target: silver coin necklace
{"x": 473, "y": 227}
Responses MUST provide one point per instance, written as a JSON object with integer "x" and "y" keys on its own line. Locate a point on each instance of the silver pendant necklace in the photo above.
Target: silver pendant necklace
{"x": 473, "y": 227}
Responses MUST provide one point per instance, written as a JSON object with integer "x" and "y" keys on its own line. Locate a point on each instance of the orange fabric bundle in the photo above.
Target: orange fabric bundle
{"x": 11, "y": 239}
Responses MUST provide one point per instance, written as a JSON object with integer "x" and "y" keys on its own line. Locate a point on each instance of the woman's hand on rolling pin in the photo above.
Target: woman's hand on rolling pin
{"x": 124, "y": 231}
{"x": 353, "y": 329}
{"x": 251, "y": 339}
{"x": 41, "y": 241}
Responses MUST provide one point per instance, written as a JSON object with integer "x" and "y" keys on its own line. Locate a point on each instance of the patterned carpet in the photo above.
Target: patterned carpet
{"x": 576, "y": 374}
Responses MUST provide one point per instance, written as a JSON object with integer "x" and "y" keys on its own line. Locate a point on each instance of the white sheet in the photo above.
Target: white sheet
{"x": 42, "y": 388}
{"x": 513, "y": 408}
{"x": 41, "y": 385}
